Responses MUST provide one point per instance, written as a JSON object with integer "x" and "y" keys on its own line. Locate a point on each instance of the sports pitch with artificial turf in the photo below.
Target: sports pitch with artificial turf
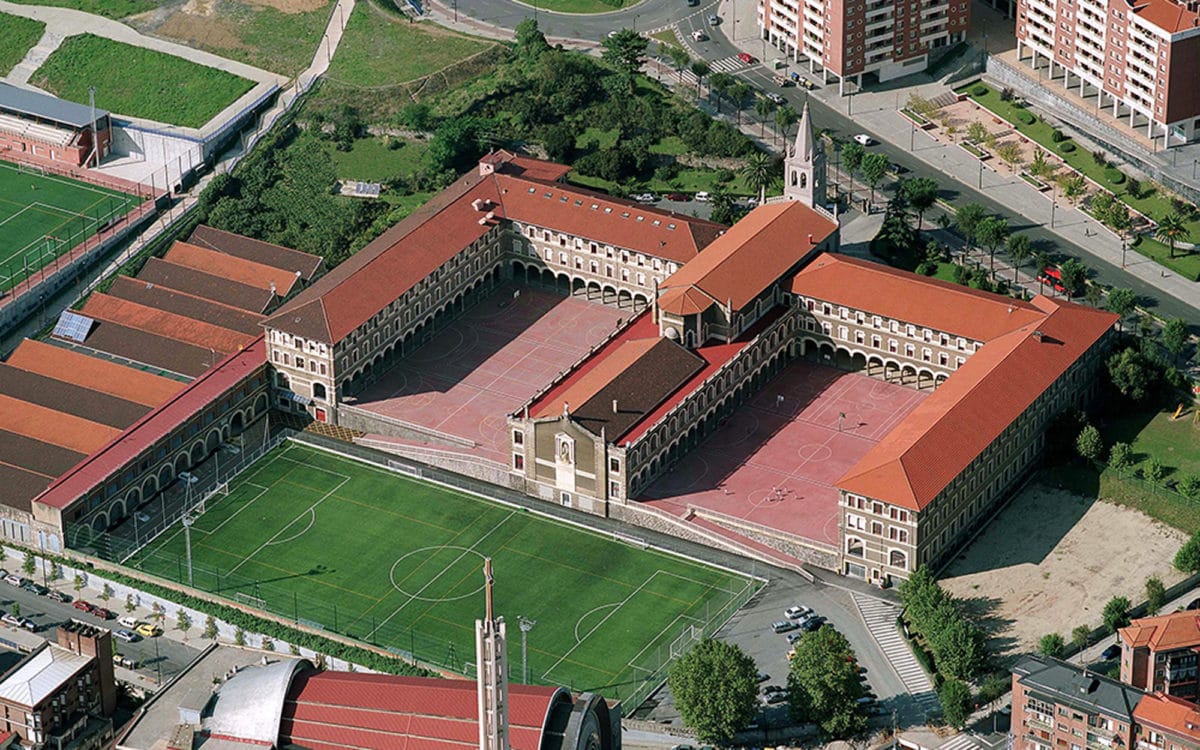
{"x": 44, "y": 216}
{"x": 398, "y": 562}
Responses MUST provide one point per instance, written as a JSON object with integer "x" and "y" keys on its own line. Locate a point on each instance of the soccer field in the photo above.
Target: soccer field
{"x": 44, "y": 216}
{"x": 398, "y": 562}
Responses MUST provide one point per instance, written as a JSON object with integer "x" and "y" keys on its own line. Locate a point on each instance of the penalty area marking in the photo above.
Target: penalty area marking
{"x": 312, "y": 518}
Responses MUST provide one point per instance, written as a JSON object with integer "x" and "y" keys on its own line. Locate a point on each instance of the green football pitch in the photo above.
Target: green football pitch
{"x": 43, "y": 216}
{"x": 397, "y": 562}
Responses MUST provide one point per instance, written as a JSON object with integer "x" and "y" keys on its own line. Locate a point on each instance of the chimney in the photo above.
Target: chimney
{"x": 477, "y": 204}
{"x": 1038, "y": 335}
{"x": 810, "y": 238}
{"x": 614, "y": 406}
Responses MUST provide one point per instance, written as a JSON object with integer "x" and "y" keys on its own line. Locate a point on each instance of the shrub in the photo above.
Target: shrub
{"x": 1057, "y": 136}
{"x": 1066, "y": 147}
{"x": 1006, "y": 94}
{"x": 1051, "y": 645}
{"x": 1114, "y": 176}
{"x": 1025, "y": 118}
{"x": 1116, "y": 613}
{"x": 979, "y": 90}
{"x": 1100, "y": 157}
{"x": 1153, "y": 471}
{"x": 1134, "y": 188}
{"x": 1187, "y": 559}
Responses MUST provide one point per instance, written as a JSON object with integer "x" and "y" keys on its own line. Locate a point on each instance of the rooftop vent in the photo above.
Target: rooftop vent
{"x": 1038, "y": 335}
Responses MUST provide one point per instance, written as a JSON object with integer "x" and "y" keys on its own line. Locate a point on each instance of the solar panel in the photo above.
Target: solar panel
{"x": 73, "y": 326}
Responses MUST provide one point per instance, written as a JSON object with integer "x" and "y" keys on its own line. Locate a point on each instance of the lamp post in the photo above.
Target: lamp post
{"x": 526, "y": 625}
{"x": 981, "y": 175}
{"x": 187, "y": 544}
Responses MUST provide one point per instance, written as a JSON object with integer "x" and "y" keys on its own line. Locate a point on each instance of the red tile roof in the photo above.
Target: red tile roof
{"x": 187, "y": 305}
{"x": 120, "y": 449}
{"x": 354, "y": 709}
{"x": 393, "y": 263}
{"x": 54, "y": 427}
{"x": 948, "y": 430}
{"x": 257, "y": 250}
{"x": 232, "y": 267}
{"x": 758, "y": 251}
{"x": 91, "y": 372}
{"x": 1170, "y": 715}
{"x": 20, "y": 486}
{"x": 1170, "y": 16}
{"x": 167, "y": 324}
{"x": 912, "y": 298}
{"x": 1164, "y": 632}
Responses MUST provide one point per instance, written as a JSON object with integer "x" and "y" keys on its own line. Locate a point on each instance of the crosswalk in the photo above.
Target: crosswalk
{"x": 729, "y": 64}
{"x": 960, "y": 741}
{"x": 880, "y": 619}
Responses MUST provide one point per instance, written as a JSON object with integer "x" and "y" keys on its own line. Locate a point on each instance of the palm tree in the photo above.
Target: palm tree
{"x": 679, "y": 58}
{"x": 700, "y": 69}
{"x": 719, "y": 83}
{"x": 784, "y": 117}
{"x": 738, "y": 93}
{"x": 1171, "y": 229}
{"x": 763, "y": 107}
{"x": 758, "y": 172}
{"x": 921, "y": 193}
{"x": 1020, "y": 249}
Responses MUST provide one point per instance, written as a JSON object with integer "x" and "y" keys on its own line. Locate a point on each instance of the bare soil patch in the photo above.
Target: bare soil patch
{"x": 204, "y": 31}
{"x": 1051, "y": 560}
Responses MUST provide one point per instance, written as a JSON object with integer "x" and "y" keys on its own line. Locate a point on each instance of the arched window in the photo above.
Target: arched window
{"x": 897, "y": 559}
{"x": 319, "y": 391}
{"x": 803, "y": 179}
{"x": 794, "y": 178}
{"x": 854, "y": 547}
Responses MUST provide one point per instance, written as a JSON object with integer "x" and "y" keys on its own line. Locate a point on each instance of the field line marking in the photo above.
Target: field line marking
{"x": 464, "y": 553}
{"x": 546, "y": 674}
{"x": 585, "y": 614}
{"x": 290, "y": 572}
{"x": 623, "y": 584}
{"x": 263, "y": 546}
{"x": 650, "y": 643}
{"x": 312, "y": 519}
{"x": 261, "y": 491}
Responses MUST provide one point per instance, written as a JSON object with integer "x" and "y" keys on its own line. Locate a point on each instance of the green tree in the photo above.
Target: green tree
{"x": 1171, "y": 229}
{"x": 210, "y": 628}
{"x": 157, "y": 612}
{"x": 78, "y": 582}
{"x": 874, "y": 167}
{"x": 1072, "y": 184}
{"x": 16, "y": 609}
{"x": 852, "y": 157}
{"x": 129, "y": 605}
{"x": 531, "y": 42}
{"x": 1074, "y": 273}
{"x": 625, "y": 51}
{"x": 1156, "y": 595}
{"x": 1020, "y": 249}
{"x": 1121, "y": 301}
{"x": 823, "y": 684}
{"x": 715, "y": 689}
{"x": 739, "y": 94}
{"x": 1116, "y": 613}
{"x": 759, "y": 171}
{"x": 55, "y": 570}
{"x": 559, "y": 141}
{"x": 1175, "y": 337}
{"x": 897, "y": 228}
{"x": 976, "y": 132}
{"x": 1039, "y": 167}
{"x": 239, "y": 637}
{"x": 785, "y": 117}
{"x": 763, "y": 107}
{"x": 967, "y": 218}
{"x": 680, "y": 59}
{"x": 1080, "y": 636}
{"x": 1187, "y": 559}
{"x": 1153, "y": 471}
{"x": 1089, "y": 444}
{"x": 955, "y": 697}
{"x": 724, "y": 210}
{"x": 1120, "y": 456}
{"x": 1010, "y": 153}
{"x": 183, "y": 621}
{"x": 1132, "y": 375}
{"x": 921, "y": 194}
{"x": 106, "y": 592}
{"x": 959, "y": 646}
{"x": 719, "y": 84}
{"x": 1189, "y": 486}
{"x": 1052, "y": 645}
{"x": 991, "y": 233}
{"x": 701, "y": 69}
{"x": 29, "y": 564}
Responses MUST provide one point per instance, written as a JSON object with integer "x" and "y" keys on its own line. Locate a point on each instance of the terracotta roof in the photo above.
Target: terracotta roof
{"x": 397, "y": 260}
{"x": 187, "y": 305}
{"x": 92, "y": 372}
{"x": 1164, "y": 632}
{"x": 150, "y": 349}
{"x": 369, "y": 711}
{"x": 1170, "y": 16}
{"x": 758, "y": 251}
{"x": 69, "y": 398}
{"x": 51, "y": 426}
{"x": 152, "y": 320}
{"x": 257, "y": 250}
{"x": 20, "y": 486}
{"x": 110, "y": 456}
{"x": 946, "y": 431}
{"x": 232, "y": 267}
{"x": 35, "y": 455}
{"x": 206, "y": 285}
{"x": 912, "y": 298}
{"x": 1171, "y": 715}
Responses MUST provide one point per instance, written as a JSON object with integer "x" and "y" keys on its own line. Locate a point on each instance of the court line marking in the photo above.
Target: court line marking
{"x": 597, "y": 626}
{"x": 264, "y": 545}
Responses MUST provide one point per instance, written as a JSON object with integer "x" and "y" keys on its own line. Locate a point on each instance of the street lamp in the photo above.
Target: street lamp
{"x": 187, "y": 544}
{"x": 526, "y": 625}
{"x": 981, "y": 175}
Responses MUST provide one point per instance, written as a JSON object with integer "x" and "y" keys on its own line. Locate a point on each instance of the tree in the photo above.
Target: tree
{"x": 625, "y": 50}
{"x": 976, "y": 132}
{"x": 129, "y": 605}
{"x": 921, "y": 194}
{"x": 239, "y": 637}
{"x": 715, "y": 689}
{"x": 559, "y": 141}
{"x": 16, "y": 609}
{"x": 210, "y": 628}
{"x": 763, "y": 107}
{"x": 29, "y": 564}
{"x": 852, "y": 158}
{"x": 1079, "y": 638}
{"x": 1116, "y": 613}
{"x": 719, "y": 83}
{"x": 1171, "y": 228}
{"x": 1052, "y": 645}
{"x": 1189, "y": 486}
{"x": 1010, "y": 153}
{"x": 1132, "y": 375}
{"x": 157, "y": 612}
{"x": 955, "y": 697}
{"x": 701, "y": 69}
{"x": 78, "y": 582}
{"x": 992, "y": 232}
{"x": 1020, "y": 249}
{"x": 739, "y": 94}
{"x": 1073, "y": 273}
{"x": 1120, "y": 456}
{"x": 106, "y": 592}
{"x": 531, "y": 42}
{"x": 1153, "y": 471}
{"x": 1039, "y": 167}
{"x": 1156, "y": 595}
{"x": 1175, "y": 337}
{"x": 823, "y": 684}
{"x": 55, "y": 570}
{"x": 959, "y": 648}
{"x": 874, "y": 167}
{"x": 897, "y": 227}
{"x": 758, "y": 172}
{"x": 785, "y": 117}
{"x": 1122, "y": 302}
{"x": 183, "y": 621}
{"x": 967, "y": 218}
{"x": 1187, "y": 559}
{"x": 1089, "y": 443}
{"x": 680, "y": 59}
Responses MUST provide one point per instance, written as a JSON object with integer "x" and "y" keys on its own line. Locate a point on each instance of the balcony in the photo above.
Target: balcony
{"x": 1033, "y": 722}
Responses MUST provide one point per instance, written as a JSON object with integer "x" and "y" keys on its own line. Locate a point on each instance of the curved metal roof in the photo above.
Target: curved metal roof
{"x": 250, "y": 703}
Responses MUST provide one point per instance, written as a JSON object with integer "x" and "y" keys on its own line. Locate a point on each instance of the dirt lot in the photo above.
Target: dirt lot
{"x": 1051, "y": 560}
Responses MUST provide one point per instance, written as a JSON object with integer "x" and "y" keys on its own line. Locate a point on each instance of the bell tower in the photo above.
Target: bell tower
{"x": 491, "y": 667}
{"x": 804, "y": 166}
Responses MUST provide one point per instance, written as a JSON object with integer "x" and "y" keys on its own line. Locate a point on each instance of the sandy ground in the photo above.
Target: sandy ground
{"x": 1051, "y": 560}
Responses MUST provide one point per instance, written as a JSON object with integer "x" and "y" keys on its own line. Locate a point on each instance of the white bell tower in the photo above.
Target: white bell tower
{"x": 804, "y": 166}
{"x": 491, "y": 666}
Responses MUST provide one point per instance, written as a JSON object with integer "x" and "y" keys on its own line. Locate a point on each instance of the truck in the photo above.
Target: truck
{"x": 1052, "y": 277}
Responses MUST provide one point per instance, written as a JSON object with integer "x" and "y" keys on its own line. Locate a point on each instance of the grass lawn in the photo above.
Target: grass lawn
{"x": 371, "y": 160}
{"x": 688, "y": 181}
{"x": 398, "y": 562}
{"x": 1187, "y": 265}
{"x": 667, "y": 37}
{"x": 148, "y": 84}
{"x": 379, "y": 49}
{"x": 106, "y": 8}
{"x": 33, "y": 208}
{"x": 581, "y": 6}
{"x": 17, "y": 37}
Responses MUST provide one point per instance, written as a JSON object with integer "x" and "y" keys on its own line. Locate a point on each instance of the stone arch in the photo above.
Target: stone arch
{"x": 236, "y": 424}
{"x": 855, "y": 547}
{"x": 607, "y": 290}
{"x": 908, "y": 373}
{"x": 196, "y": 454}
{"x": 134, "y": 498}
{"x": 213, "y": 440}
{"x": 826, "y": 351}
{"x": 180, "y": 463}
{"x": 165, "y": 475}
{"x": 898, "y": 558}
{"x": 547, "y": 277}
{"x": 260, "y": 404}
{"x": 578, "y": 286}
{"x": 624, "y": 298}
{"x": 100, "y": 522}
{"x": 562, "y": 283}
{"x": 594, "y": 285}
{"x": 116, "y": 511}
{"x": 640, "y": 301}
{"x": 149, "y": 487}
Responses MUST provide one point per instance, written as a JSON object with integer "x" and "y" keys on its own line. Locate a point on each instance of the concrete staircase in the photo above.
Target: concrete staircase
{"x": 25, "y": 69}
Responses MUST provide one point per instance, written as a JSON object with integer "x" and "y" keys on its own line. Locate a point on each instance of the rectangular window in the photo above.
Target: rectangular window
{"x": 518, "y": 462}
{"x": 614, "y": 464}
{"x": 518, "y": 437}
{"x": 614, "y": 489}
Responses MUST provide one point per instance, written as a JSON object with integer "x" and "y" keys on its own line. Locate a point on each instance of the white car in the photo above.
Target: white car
{"x": 778, "y": 99}
{"x": 796, "y": 612}
{"x": 702, "y": 196}
{"x": 644, "y": 198}
{"x": 863, "y": 139}
{"x": 143, "y": 517}
{"x": 188, "y": 477}
{"x": 230, "y": 448}
{"x": 699, "y": 36}
{"x": 129, "y": 621}
{"x": 126, "y": 635}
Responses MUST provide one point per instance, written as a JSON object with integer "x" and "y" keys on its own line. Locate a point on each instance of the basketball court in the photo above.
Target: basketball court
{"x": 488, "y": 363}
{"x": 775, "y": 461}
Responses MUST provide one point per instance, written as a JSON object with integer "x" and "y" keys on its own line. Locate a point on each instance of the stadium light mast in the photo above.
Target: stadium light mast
{"x": 526, "y": 625}
{"x": 187, "y": 544}
{"x": 95, "y": 133}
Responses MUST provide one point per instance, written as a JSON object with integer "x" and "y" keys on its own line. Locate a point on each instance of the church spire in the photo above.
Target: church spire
{"x": 804, "y": 167}
{"x": 802, "y": 149}
{"x": 491, "y": 669}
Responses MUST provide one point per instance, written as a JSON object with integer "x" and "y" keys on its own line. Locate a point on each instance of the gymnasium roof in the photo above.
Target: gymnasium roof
{"x": 180, "y": 328}
{"x": 37, "y": 104}
{"x": 209, "y": 286}
{"x": 68, "y": 398}
{"x": 91, "y": 372}
{"x": 149, "y": 349}
{"x": 232, "y": 267}
{"x": 187, "y": 305}
{"x": 258, "y": 251}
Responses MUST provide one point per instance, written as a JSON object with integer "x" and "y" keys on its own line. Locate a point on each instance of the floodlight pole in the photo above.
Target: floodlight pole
{"x": 187, "y": 543}
{"x": 526, "y": 625}
{"x": 95, "y": 133}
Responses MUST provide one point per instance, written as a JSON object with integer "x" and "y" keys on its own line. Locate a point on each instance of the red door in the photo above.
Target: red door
{"x": 320, "y": 415}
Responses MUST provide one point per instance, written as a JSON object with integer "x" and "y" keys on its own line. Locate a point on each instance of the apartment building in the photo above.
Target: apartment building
{"x": 1165, "y": 722}
{"x": 1138, "y": 58}
{"x": 850, "y": 38}
{"x": 1159, "y": 654}
{"x": 1060, "y": 706}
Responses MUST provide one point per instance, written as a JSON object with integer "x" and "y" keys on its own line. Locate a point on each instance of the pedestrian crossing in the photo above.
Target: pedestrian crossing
{"x": 960, "y": 741}
{"x": 729, "y": 64}
{"x": 880, "y": 619}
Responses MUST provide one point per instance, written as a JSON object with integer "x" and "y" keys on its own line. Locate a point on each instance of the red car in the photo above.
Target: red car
{"x": 747, "y": 58}
{"x": 85, "y": 606}
{"x": 677, "y": 197}
{"x": 103, "y": 613}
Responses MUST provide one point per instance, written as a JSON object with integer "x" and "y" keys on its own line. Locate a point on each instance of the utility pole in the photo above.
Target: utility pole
{"x": 187, "y": 543}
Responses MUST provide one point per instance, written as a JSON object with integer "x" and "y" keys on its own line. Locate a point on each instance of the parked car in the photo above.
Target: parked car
{"x": 124, "y": 661}
{"x": 762, "y": 677}
{"x": 776, "y": 97}
{"x": 783, "y": 626}
{"x": 812, "y": 623}
{"x": 713, "y": 20}
{"x": 796, "y": 612}
{"x": 677, "y": 197}
{"x": 84, "y": 606}
{"x": 863, "y": 139}
{"x": 866, "y": 700}
{"x": 149, "y": 630}
{"x": 747, "y": 58}
{"x": 126, "y": 635}
{"x": 189, "y": 477}
{"x": 143, "y": 517}
{"x": 17, "y": 621}
{"x": 1111, "y": 652}
{"x": 58, "y": 596}
{"x": 231, "y": 449}
{"x": 104, "y": 614}
{"x": 793, "y": 637}
{"x": 768, "y": 689}
{"x": 702, "y": 197}
{"x": 14, "y": 579}
{"x": 776, "y": 698}
{"x": 644, "y": 197}
{"x": 699, "y": 36}
{"x": 129, "y": 621}
{"x": 36, "y": 588}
